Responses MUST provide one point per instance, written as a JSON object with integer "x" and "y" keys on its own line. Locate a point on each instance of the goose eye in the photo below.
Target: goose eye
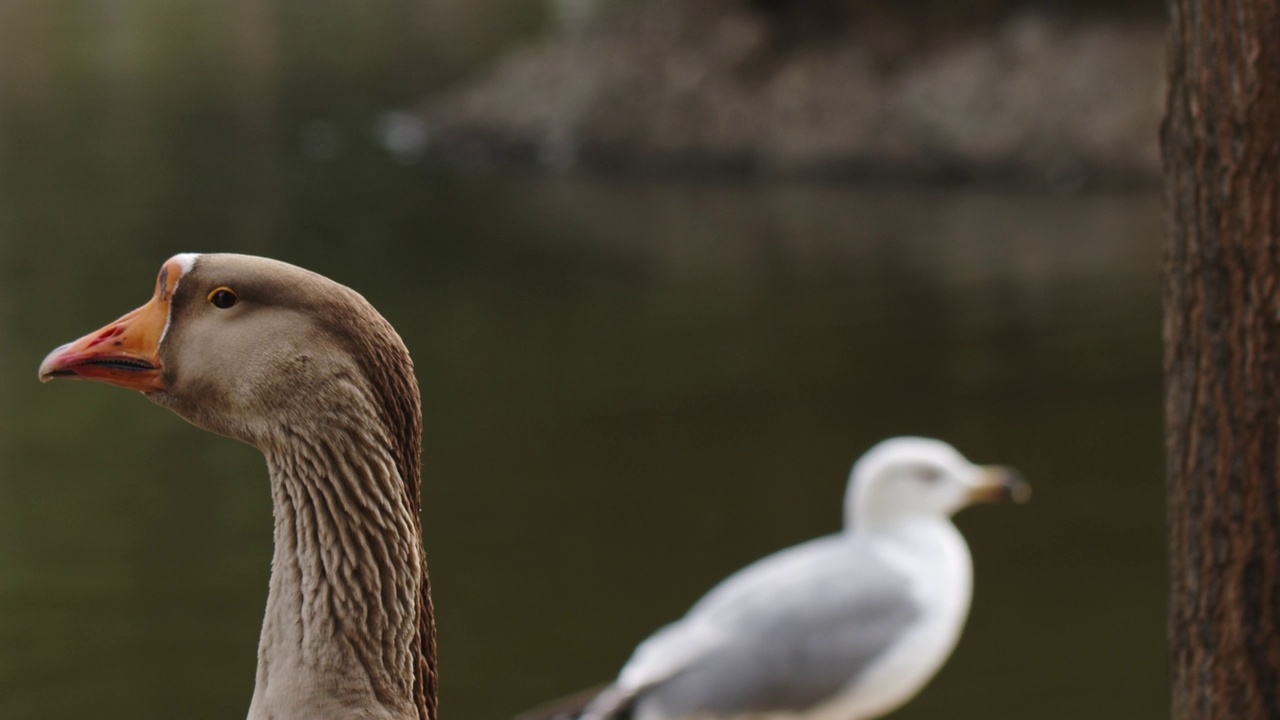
{"x": 223, "y": 298}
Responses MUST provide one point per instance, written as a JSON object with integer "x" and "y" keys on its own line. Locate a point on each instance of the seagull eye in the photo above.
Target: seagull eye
{"x": 929, "y": 474}
{"x": 223, "y": 298}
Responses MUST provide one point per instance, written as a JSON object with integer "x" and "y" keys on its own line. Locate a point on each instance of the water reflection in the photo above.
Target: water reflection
{"x": 632, "y": 388}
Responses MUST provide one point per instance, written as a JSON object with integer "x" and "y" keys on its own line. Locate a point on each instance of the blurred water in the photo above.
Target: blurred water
{"x": 633, "y": 387}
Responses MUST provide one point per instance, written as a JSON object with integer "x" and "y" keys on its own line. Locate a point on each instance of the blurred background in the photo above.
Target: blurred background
{"x": 666, "y": 269}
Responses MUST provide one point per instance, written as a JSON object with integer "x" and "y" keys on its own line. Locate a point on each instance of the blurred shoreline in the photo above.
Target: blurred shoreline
{"x": 1026, "y": 97}
{"x": 1007, "y": 93}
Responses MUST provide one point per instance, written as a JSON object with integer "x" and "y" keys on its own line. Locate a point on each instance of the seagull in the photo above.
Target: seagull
{"x": 849, "y": 626}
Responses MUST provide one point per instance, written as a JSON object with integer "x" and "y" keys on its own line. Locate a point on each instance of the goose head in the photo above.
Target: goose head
{"x": 247, "y": 346}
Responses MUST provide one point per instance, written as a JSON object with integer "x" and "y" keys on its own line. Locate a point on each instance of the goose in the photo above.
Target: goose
{"x": 845, "y": 627}
{"x": 306, "y": 371}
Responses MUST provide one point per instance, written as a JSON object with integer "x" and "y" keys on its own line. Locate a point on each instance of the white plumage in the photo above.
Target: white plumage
{"x": 844, "y": 627}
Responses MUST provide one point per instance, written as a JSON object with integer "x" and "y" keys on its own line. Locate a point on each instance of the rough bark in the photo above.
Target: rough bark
{"x": 1221, "y": 145}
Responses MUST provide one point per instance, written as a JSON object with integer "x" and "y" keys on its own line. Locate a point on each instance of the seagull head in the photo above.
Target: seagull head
{"x": 906, "y": 478}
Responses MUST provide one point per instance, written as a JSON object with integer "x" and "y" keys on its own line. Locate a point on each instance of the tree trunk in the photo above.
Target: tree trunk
{"x": 1221, "y": 144}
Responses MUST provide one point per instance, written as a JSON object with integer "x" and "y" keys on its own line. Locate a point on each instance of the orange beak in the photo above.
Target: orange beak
{"x": 126, "y": 352}
{"x": 997, "y": 483}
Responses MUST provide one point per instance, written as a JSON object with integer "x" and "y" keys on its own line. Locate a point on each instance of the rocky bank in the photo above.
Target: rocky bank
{"x": 1028, "y": 98}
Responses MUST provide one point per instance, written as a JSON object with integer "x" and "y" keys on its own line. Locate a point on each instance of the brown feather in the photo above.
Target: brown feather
{"x": 387, "y": 365}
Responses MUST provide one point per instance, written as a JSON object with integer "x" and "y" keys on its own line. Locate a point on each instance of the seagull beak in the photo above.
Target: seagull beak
{"x": 997, "y": 483}
{"x": 125, "y": 352}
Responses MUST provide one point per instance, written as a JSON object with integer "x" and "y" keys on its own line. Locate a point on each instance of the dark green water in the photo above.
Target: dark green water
{"x": 632, "y": 389}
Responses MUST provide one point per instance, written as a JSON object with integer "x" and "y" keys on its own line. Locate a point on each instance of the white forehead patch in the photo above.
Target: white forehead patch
{"x": 186, "y": 261}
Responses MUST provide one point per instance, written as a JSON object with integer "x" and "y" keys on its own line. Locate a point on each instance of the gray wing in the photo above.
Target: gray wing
{"x": 784, "y": 634}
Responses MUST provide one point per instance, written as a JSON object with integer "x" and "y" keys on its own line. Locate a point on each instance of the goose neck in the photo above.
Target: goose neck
{"x": 342, "y": 636}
